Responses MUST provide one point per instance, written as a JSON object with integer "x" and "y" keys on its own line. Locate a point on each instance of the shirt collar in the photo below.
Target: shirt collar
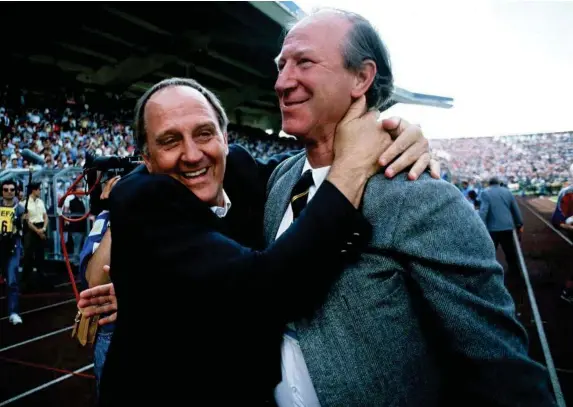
{"x": 318, "y": 174}
{"x": 221, "y": 211}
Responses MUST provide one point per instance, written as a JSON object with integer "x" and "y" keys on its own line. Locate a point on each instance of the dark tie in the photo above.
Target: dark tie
{"x": 299, "y": 194}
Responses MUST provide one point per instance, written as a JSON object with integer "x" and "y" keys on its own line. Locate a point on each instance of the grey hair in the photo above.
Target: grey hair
{"x": 363, "y": 43}
{"x": 139, "y": 122}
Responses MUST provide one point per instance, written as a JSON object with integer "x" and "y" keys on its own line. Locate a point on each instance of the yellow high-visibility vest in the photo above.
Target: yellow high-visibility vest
{"x": 7, "y": 219}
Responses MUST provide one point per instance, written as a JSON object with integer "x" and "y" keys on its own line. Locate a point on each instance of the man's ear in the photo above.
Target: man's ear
{"x": 146, "y": 161}
{"x": 363, "y": 78}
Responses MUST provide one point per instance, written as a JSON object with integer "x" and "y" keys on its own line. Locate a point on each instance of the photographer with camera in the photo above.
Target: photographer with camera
{"x": 11, "y": 245}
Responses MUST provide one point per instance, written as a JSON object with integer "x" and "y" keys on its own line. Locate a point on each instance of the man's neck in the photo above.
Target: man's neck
{"x": 220, "y": 201}
{"x": 7, "y": 202}
{"x": 320, "y": 149}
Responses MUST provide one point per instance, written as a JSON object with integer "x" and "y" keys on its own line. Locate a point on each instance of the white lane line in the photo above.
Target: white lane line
{"x": 548, "y": 224}
{"x": 56, "y": 286}
{"x": 539, "y": 325}
{"x": 43, "y": 386}
{"x": 65, "y": 284}
{"x": 37, "y": 338}
{"x": 42, "y": 308}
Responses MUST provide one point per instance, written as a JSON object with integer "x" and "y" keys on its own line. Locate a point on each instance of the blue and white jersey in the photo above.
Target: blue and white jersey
{"x": 101, "y": 224}
{"x": 91, "y": 244}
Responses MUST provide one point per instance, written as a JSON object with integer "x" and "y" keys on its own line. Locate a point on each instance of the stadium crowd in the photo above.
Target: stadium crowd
{"x": 63, "y": 138}
{"x": 536, "y": 162}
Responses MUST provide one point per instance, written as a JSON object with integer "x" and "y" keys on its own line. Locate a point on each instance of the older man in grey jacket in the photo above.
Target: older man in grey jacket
{"x": 422, "y": 318}
{"x": 501, "y": 215}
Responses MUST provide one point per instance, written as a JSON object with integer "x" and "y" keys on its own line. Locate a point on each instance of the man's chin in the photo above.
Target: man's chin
{"x": 208, "y": 196}
{"x": 295, "y": 129}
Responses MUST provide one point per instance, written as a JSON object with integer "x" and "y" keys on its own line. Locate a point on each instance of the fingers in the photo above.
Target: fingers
{"x": 112, "y": 183}
{"x": 108, "y": 187}
{"x": 104, "y": 289}
{"x": 414, "y": 157}
{"x": 108, "y": 320}
{"x": 395, "y": 126}
{"x": 96, "y": 301}
{"x": 410, "y": 140}
{"x": 90, "y": 311}
{"x": 356, "y": 110}
{"x": 104, "y": 308}
{"x": 435, "y": 169}
{"x": 107, "y": 308}
{"x": 419, "y": 167}
{"x": 84, "y": 303}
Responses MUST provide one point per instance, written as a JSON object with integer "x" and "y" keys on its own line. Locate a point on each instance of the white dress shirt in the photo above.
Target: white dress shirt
{"x": 296, "y": 388}
{"x": 221, "y": 211}
{"x": 36, "y": 210}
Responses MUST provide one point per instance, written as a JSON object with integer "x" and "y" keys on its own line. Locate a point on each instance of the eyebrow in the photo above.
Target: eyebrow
{"x": 200, "y": 126}
{"x": 295, "y": 54}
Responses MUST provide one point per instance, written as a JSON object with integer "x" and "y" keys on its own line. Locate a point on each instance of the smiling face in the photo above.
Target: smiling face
{"x": 185, "y": 141}
{"x": 313, "y": 86}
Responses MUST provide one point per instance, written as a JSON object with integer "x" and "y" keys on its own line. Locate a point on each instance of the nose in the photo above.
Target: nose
{"x": 286, "y": 80}
{"x": 192, "y": 154}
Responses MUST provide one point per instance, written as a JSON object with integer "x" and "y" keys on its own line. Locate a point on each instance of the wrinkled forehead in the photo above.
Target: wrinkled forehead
{"x": 323, "y": 32}
{"x": 177, "y": 102}
{"x": 173, "y": 97}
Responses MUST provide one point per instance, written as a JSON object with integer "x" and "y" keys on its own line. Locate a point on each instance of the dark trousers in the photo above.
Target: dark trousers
{"x": 33, "y": 252}
{"x": 505, "y": 239}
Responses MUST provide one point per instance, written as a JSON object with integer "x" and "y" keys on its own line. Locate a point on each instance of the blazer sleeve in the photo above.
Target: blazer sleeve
{"x": 189, "y": 248}
{"x": 452, "y": 267}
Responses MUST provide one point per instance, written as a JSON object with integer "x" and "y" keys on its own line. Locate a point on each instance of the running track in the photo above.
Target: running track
{"x": 41, "y": 366}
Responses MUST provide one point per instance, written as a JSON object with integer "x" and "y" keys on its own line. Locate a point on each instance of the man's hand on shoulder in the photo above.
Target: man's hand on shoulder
{"x": 410, "y": 148}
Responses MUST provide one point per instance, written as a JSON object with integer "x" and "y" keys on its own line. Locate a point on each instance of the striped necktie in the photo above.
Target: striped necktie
{"x": 299, "y": 194}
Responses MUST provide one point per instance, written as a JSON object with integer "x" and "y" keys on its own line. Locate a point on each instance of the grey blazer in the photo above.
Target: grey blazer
{"x": 499, "y": 209}
{"x": 422, "y": 318}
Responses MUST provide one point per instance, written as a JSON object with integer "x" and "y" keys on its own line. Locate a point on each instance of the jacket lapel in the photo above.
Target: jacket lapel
{"x": 278, "y": 199}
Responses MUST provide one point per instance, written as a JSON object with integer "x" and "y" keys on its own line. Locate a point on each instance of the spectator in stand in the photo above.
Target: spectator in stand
{"x": 534, "y": 163}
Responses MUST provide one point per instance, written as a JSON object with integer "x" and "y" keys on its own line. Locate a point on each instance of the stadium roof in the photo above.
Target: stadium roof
{"x": 124, "y": 47}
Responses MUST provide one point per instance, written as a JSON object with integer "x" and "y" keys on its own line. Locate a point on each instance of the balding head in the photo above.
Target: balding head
{"x": 360, "y": 41}
{"x": 328, "y": 60}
